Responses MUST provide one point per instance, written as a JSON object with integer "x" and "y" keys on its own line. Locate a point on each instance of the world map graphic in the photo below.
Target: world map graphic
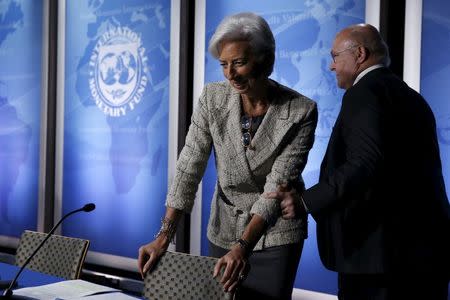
{"x": 15, "y": 133}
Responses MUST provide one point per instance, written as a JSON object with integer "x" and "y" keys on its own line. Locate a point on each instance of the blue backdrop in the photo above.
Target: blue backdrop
{"x": 20, "y": 102}
{"x": 304, "y": 32}
{"x": 435, "y": 73}
{"x": 116, "y": 111}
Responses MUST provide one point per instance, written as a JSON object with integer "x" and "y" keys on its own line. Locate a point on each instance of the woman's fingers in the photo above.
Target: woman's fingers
{"x": 234, "y": 277}
{"x": 229, "y": 268}
{"x": 142, "y": 260}
{"x": 219, "y": 264}
{"x": 233, "y": 286}
{"x": 233, "y": 267}
{"x": 241, "y": 275}
{"x": 149, "y": 254}
{"x": 150, "y": 262}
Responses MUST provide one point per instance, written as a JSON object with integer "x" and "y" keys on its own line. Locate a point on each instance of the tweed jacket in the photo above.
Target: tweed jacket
{"x": 278, "y": 155}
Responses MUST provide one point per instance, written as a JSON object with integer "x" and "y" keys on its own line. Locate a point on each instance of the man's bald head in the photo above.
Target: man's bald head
{"x": 369, "y": 37}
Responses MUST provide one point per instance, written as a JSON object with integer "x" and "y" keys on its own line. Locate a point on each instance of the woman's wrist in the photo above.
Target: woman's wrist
{"x": 167, "y": 230}
{"x": 162, "y": 241}
{"x": 244, "y": 245}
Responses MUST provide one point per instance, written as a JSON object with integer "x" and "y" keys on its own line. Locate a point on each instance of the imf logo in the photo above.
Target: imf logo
{"x": 118, "y": 72}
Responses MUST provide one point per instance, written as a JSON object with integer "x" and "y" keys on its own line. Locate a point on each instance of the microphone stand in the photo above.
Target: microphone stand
{"x": 8, "y": 293}
{"x": 4, "y": 284}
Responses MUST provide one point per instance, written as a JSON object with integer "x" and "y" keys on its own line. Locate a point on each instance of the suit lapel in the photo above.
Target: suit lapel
{"x": 269, "y": 134}
{"x": 333, "y": 135}
{"x": 234, "y": 130}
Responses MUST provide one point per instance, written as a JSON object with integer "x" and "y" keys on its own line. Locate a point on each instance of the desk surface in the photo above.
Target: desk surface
{"x": 28, "y": 278}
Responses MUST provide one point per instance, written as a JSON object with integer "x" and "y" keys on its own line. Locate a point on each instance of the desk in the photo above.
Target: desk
{"x": 28, "y": 278}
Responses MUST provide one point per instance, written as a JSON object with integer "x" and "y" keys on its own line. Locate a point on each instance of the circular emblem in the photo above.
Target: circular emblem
{"x": 117, "y": 71}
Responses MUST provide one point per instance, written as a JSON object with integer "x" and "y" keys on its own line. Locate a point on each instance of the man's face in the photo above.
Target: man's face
{"x": 344, "y": 61}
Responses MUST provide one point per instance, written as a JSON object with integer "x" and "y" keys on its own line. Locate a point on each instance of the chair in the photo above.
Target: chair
{"x": 60, "y": 256}
{"x": 183, "y": 276}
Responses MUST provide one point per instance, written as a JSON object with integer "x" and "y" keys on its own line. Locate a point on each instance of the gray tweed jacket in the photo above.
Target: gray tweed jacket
{"x": 279, "y": 153}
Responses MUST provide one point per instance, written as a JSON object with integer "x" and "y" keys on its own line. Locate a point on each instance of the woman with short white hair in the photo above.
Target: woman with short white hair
{"x": 261, "y": 133}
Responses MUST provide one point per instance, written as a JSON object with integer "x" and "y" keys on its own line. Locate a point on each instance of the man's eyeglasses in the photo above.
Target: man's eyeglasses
{"x": 335, "y": 54}
{"x": 246, "y": 124}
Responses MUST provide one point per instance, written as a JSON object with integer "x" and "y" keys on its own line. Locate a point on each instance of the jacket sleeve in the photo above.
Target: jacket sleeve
{"x": 288, "y": 165}
{"x": 192, "y": 160}
{"x": 363, "y": 137}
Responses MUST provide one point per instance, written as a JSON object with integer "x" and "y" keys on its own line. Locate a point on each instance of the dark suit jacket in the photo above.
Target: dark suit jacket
{"x": 380, "y": 204}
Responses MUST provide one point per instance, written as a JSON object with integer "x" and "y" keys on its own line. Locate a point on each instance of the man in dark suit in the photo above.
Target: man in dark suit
{"x": 380, "y": 204}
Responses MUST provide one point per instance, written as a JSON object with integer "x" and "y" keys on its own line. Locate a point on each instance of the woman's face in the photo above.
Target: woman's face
{"x": 239, "y": 66}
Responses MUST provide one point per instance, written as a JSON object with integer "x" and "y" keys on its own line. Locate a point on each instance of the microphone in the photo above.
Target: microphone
{"x": 8, "y": 294}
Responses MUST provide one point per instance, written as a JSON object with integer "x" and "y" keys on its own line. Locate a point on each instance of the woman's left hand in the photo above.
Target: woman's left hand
{"x": 236, "y": 268}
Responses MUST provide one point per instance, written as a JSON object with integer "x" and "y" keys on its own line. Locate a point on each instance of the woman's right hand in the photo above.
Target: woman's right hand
{"x": 151, "y": 252}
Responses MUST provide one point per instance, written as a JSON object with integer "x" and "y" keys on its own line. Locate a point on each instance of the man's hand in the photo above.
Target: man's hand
{"x": 291, "y": 205}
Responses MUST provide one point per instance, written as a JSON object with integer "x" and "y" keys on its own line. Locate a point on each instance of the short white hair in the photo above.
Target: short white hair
{"x": 248, "y": 27}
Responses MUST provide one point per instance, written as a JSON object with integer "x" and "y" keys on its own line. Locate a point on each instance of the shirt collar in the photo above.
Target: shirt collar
{"x": 363, "y": 73}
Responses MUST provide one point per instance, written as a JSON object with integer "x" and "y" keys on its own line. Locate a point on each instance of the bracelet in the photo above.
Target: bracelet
{"x": 244, "y": 245}
{"x": 168, "y": 228}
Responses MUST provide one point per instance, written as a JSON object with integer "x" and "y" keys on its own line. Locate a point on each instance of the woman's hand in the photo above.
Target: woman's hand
{"x": 235, "y": 261}
{"x": 150, "y": 253}
{"x": 236, "y": 268}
